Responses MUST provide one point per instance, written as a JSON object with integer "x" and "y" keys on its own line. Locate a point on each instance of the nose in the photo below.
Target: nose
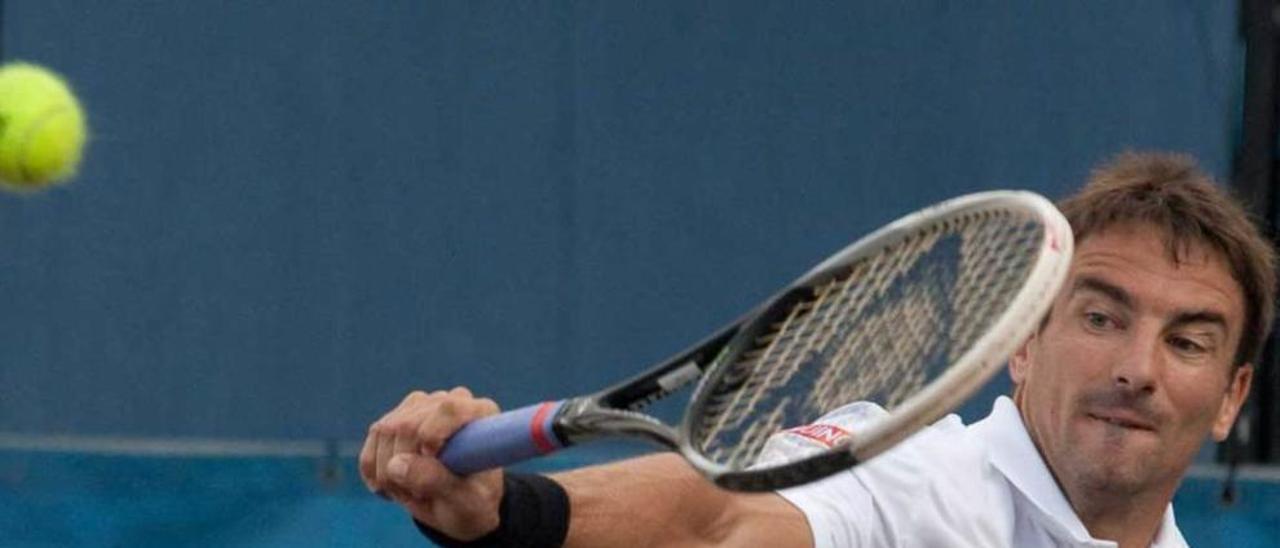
{"x": 1135, "y": 371}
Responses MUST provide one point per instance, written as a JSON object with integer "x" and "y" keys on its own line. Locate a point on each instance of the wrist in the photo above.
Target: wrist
{"x": 533, "y": 513}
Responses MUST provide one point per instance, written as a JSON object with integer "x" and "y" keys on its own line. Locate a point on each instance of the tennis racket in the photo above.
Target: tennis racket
{"x": 914, "y": 317}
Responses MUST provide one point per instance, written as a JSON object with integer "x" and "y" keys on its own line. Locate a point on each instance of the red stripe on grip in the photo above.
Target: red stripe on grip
{"x": 540, "y": 439}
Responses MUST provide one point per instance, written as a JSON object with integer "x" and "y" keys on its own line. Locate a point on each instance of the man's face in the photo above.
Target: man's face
{"x": 1134, "y": 367}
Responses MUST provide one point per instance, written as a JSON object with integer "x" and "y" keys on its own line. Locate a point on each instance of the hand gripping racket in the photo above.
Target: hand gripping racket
{"x": 914, "y": 317}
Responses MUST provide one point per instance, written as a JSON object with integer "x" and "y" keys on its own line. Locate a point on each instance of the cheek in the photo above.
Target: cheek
{"x": 1196, "y": 398}
{"x": 1048, "y": 381}
{"x": 1067, "y": 368}
{"x": 1068, "y": 360}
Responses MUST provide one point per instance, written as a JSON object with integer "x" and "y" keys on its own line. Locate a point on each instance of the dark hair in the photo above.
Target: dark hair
{"x": 1170, "y": 192}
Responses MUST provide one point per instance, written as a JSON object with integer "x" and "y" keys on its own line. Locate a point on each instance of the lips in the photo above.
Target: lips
{"x": 1123, "y": 419}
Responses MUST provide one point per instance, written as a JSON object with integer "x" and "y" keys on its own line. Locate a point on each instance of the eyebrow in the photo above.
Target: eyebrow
{"x": 1107, "y": 289}
{"x": 1201, "y": 316}
{"x": 1122, "y": 297}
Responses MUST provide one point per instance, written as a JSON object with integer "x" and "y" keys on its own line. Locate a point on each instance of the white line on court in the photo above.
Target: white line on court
{"x": 208, "y": 447}
{"x": 1246, "y": 472}
{"x": 175, "y": 447}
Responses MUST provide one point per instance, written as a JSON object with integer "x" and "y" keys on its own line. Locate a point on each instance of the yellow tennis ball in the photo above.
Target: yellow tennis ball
{"x": 42, "y": 128}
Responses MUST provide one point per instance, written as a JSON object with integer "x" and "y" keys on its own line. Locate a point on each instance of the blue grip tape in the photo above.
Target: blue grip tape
{"x": 506, "y": 438}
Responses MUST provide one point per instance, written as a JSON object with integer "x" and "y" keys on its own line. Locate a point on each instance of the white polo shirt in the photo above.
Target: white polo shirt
{"x": 948, "y": 485}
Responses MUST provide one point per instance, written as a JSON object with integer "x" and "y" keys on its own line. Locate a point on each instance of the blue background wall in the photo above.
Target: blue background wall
{"x": 293, "y": 212}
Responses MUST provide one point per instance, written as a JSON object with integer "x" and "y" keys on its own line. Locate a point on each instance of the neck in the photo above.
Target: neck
{"x": 1130, "y": 519}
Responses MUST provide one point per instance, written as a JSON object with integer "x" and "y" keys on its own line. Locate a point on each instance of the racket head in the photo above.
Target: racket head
{"x": 978, "y": 272}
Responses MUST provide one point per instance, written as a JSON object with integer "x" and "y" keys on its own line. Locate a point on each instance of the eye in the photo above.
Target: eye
{"x": 1098, "y": 320}
{"x": 1187, "y": 345}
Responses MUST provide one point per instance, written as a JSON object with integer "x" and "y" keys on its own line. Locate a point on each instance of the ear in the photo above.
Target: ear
{"x": 1232, "y": 401}
{"x": 1020, "y": 361}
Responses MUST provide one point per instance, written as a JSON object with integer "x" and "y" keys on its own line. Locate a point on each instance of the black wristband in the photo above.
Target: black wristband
{"x": 534, "y": 513}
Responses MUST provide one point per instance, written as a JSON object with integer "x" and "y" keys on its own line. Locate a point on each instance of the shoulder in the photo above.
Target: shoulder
{"x": 935, "y": 488}
{"x": 947, "y": 438}
{"x": 832, "y": 429}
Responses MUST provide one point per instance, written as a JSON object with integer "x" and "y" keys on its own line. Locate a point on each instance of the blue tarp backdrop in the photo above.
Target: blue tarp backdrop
{"x": 293, "y": 212}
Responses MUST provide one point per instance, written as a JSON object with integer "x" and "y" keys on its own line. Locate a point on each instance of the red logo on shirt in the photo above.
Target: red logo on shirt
{"x": 826, "y": 434}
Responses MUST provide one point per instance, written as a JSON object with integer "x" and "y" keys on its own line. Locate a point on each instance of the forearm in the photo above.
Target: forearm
{"x": 659, "y": 500}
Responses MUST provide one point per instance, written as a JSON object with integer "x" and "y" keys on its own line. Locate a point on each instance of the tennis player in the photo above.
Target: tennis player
{"x": 1146, "y": 353}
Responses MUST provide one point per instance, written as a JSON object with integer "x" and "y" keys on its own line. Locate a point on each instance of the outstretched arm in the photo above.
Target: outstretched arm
{"x": 660, "y": 500}
{"x": 649, "y": 501}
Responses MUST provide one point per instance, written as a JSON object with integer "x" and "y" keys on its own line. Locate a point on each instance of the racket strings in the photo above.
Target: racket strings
{"x": 803, "y": 336}
{"x": 877, "y": 365}
{"x": 984, "y": 271}
{"x": 878, "y": 330}
{"x": 773, "y": 350}
{"x": 877, "y": 368}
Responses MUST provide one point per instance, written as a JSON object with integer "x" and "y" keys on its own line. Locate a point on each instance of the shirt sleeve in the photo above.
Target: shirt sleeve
{"x": 840, "y": 510}
{"x": 929, "y": 490}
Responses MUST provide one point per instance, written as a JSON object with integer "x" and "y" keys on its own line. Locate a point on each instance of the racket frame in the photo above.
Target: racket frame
{"x": 974, "y": 368}
{"x": 615, "y": 411}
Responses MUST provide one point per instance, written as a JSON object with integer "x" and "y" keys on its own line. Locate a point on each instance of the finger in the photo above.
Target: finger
{"x": 405, "y": 430}
{"x": 407, "y": 440}
{"x": 486, "y": 407}
{"x": 378, "y": 431}
{"x": 398, "y": 431}
{"x": 447, "y": 417}
{"x": 418, "y": 476}
{"x": 384, "y": 451}
{"x": 425, "y": 480}
{"x": 450, "y": 416}
{"x": 414, "y": 398}
{"x": 368, "y": 463}
{"x": 420, "y": 424}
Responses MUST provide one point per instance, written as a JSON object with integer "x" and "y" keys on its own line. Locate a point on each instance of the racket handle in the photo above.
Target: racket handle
{"x": 506, "y": 438}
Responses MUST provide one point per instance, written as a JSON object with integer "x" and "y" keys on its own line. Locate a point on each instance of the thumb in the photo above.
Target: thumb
{"x": 420, "y": 476}
{"x": 398, "y": 468}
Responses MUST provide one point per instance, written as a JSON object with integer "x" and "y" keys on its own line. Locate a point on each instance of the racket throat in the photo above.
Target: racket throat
{"x": 583, "y": 420}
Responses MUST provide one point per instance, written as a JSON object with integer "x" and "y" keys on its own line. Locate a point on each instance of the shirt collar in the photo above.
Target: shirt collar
{"x": 1012, "y": 452}
{"x": 1169, "y": 535}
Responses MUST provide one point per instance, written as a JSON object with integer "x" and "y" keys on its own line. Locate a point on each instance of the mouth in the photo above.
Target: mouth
{"x": 1123, "y": 420}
